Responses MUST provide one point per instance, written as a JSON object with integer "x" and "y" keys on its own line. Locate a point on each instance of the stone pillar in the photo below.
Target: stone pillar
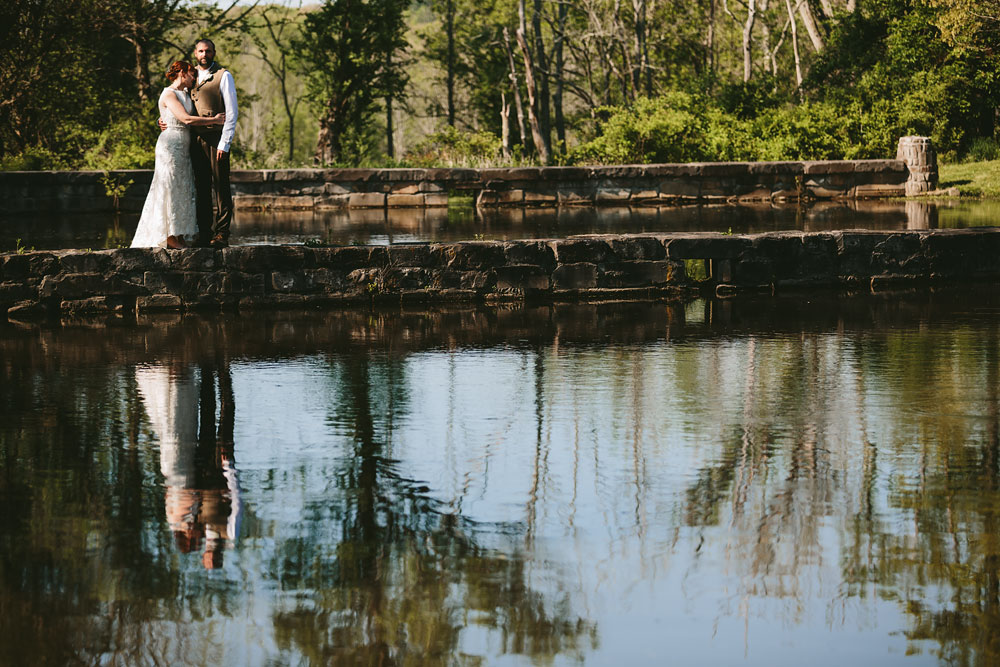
{"x": 921, "y": 159}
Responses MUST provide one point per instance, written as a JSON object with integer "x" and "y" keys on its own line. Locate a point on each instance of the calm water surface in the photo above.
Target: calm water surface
{"x": 383, "y": 227}
{"x": 748, "y": 482}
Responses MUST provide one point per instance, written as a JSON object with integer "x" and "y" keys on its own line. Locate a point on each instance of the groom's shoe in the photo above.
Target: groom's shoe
{"x": 218, "y": 242}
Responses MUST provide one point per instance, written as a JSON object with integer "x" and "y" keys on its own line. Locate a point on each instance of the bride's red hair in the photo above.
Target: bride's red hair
{"x": 178, "y": 68}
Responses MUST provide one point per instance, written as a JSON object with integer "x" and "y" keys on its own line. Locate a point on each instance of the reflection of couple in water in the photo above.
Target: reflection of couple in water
{"x": 203, "y": 503}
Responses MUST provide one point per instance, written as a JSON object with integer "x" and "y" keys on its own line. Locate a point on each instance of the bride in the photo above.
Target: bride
{"x": 169, "y": 212}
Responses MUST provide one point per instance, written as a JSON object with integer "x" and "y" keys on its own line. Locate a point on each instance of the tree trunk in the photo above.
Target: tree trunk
{"x": 529, "y": 81}
{"x": 795, "y": 46}
{"x": 710, "y": 43}
{"x": 518, "y": 107}
{"x": 827, "y": 8}
{"x": 450, "y": 28}
{"x": 557, "y": 97}
{"x": 542, "y": 69}
{"x": 747, "y": 35}
{"x": 505, "y": 125}
{"x": 640, "y": 72}
{"x": 390, "y": 149}
{"x": 810, "y": 23}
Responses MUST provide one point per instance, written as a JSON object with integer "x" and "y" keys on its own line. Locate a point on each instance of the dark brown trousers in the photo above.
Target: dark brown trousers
{"x": 211, "y": 174}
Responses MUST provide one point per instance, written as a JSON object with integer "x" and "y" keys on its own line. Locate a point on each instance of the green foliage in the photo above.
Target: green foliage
{"x": 670, "y": 128}
{"x": 450, "y": 147}
{"x": 348, "y": 54}
{"x": 33, "y": 158}
{"x": 983, "y": 149}
{"x": 127, "y": 144}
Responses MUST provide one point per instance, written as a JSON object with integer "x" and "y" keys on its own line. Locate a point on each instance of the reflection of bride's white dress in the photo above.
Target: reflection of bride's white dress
{"x": 170, "y": 209}
{"x": 170, "y": 396}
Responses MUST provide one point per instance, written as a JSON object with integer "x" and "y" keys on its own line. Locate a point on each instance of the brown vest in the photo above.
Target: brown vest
{"x": 207, "y": 98}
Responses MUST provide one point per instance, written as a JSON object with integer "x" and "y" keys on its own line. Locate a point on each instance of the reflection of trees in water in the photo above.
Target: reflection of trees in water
{"x": 917, "y": 500}
{"x": 77, "y": 499}
{"x": 407, "y": 577}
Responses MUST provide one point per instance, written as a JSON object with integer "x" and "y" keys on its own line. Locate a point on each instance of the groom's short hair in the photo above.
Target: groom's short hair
{"x": 205, "y": 41}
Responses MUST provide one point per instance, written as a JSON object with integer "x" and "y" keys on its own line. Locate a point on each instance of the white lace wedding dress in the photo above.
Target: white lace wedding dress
{"x": 170, "y": 209}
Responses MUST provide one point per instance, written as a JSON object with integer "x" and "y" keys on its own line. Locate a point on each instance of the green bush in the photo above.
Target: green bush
{"x": 34, "y": 158}
{"x": 668, "y": 128}
{"x": 451, "y": 147}
{"x": 982, "y": 149}
{"x": 126, "y": 144}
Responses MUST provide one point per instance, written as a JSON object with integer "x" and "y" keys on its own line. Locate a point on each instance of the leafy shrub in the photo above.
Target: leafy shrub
{"x": 35, "y": 158}
{"x": 669, "y": 128}
{"x": 451, "y": 147}
{"x": 983, "y": 149}
{"x": 126, "y": 144}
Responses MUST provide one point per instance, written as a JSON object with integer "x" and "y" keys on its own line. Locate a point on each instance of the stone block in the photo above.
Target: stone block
{"x": 332, "y": 202}
{"x": 529, "y": 174}
{"x": 854, "y": 250}
{"x": 184, "y": 283}
{"x": 619, "y": 172}
{"x": 522, "y": 278}
{"x": 573, "y": 250}
{"x": 287, "y": 281}
{"x": 261, "y": 259}
{"x": 899, "y": 253}
{"x": 158, "y": 302}
{"x": 366, "y": 200}
{"x": 409, "y": 255}
{"x": 538, "y": 253}
{"x": 576, "y": 195}
{"x": 71, "y": 286}
{"x": 404, "y": 189}
{"x": 706, "y": 246}
{"x": 77, "y": 261}
{"x": 532, "y": 197}
{"x": 479, "y": 281}
{"x": 348, "y": 258}
{"x": 564, "y": 174}
{"x": 472, "y": 255}
{"x": 637, "y": 248}
{"x": 347, "y": 176}
{"x": 581, "y": 275}
{"x": 407, "y": 200}
{"x": 246, "y": 176}
{"x": 338, "y": 188}
{"x": 140, "y": 260}
{"x": 872, "y": 190}
{"x": 637, "y": 273}
{"x": 509, "y": 196}
{"x": 829, "y": 167}
{"x": 445, "y": 279}
{"x": 400, "y": 174}
{"x": 436, "y": 199}
{"x": 94, "y": 305}
{"x": 237, "y": 283}
{"x": 20, "y": 290}
{"x": 28, "y": 265}
{"x": 672, "y": 172}
{"x": 612, "y": 194}
{"x": 194, "y": 259}
{"x": 27, "y": 310}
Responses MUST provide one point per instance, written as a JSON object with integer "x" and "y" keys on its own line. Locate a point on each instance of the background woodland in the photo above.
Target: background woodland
{"x": 500, "y": 82}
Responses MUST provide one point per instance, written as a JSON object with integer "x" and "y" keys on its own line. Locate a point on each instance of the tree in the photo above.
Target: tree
{"x": 345, "y": 51}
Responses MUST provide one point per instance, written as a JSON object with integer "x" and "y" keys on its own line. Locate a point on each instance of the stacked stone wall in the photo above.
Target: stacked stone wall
{"x": 631, "y": 185}
{"x": 597, "y": 267}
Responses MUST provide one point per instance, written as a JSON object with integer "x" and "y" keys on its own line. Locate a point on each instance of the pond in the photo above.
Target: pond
{"x": 461, "y": 223}
{"x": 773, "y": 481}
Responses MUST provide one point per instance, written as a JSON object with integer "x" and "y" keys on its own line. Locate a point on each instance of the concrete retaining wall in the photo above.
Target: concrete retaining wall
{"x": 24, "y": 193}
{"x": 615, "y": 267}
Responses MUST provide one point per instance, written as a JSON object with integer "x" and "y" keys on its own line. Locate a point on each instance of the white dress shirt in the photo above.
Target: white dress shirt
{"x": 227, "y": 86}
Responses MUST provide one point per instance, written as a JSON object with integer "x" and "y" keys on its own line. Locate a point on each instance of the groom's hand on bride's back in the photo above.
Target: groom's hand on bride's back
{"x": 163, "y": 126}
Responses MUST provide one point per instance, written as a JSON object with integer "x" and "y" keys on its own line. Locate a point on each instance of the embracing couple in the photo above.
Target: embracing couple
{"x": 198, "y": 117}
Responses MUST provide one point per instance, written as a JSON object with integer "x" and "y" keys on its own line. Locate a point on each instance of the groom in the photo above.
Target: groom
{"x": 213, "y": 93}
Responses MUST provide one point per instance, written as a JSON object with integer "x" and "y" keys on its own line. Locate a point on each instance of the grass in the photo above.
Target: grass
{"x": 973, "y": 179}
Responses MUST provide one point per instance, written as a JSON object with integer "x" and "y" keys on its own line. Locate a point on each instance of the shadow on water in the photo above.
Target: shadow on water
{"x": 844, "y": 456}
{"x": 386, "y": 226}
